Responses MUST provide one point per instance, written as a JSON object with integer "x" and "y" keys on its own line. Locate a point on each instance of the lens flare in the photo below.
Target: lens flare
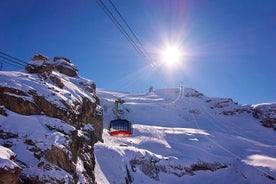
{"x": 171, "y": 56}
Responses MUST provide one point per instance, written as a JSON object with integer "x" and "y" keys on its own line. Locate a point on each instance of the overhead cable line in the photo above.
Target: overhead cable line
{"x": 11, "y": 61}
{"x": 18, "y": 60}
{"x": 127, "y": 25}
{"x": 120, "y": 27}
{"x": 8, "y": 59}
{"x": 8, "y": 62}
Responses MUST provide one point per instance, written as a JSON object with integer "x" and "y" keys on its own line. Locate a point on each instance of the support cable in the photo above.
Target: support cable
{"x": 120, "y": 27}
{"x": 127, "y": 25}
{"x": 12, "y": 61}
{"x": 8, "y": 62}
{"x": 8, "y": 59}
{"x": 14, "y": 58}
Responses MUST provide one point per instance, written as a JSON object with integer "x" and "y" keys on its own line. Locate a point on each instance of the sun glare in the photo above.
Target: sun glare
{"x": 171, "y": 56}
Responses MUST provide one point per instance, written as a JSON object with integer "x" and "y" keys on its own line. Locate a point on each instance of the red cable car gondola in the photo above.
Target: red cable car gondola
{"x": 120, "y": 127}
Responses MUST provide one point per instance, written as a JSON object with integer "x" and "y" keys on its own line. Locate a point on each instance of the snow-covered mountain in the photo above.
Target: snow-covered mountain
{"x": 51, "y": 118}
{"x": 182, "y": 136}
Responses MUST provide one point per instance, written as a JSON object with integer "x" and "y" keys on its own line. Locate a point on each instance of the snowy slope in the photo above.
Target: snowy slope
{"x": 182, "y": 136}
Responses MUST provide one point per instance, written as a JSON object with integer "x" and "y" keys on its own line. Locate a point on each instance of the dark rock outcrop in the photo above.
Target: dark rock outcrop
{"x": 266, "y": 113}
{"x": 64, "y": 65}
{"x": 193, "y": 93}
{"x": 153, "y": 167}
{"x": 221, "y": 103}
{"x": 40, "y": 64}
{"x": 10, "y": 175}
{"x": 60, "y": 158}
{"x": 17, "y": 101}
{"x": 9, "y": 170}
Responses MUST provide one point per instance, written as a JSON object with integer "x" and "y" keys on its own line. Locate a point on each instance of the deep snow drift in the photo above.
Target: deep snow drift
{"x": 182, "y": 136}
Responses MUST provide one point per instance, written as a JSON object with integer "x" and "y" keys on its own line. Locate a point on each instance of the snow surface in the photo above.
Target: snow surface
{"x": 178, "y": 128}
{"x": 34, "y": 128}
{"x": 72, "y": 90}
{"x": 5, "y": 156}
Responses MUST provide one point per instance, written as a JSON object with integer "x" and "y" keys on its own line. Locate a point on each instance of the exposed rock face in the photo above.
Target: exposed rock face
{"x": 48, "y": 89}
{"x": 60, "y": 158}
{"x": 194, "y": 93}
{"x": 58, "y": 82}
{"x": 9, "y": 170}
{"x": 220, "y": 103}
{"x": 64, "y": 65}
{"x": 266, "y": 113}
{"x": 40, "y": 64}
{"x": 40, "y": 57}
{"x": 153, "y": 167}
{"x": 17, "y": 101}
{"x": 10, "y": 175}
{"x": 237, "y": 111}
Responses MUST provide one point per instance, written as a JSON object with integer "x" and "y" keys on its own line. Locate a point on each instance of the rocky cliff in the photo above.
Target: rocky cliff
{"x": 50, "y": 118}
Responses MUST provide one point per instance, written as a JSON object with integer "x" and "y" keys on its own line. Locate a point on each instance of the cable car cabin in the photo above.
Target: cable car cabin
{"x": 120, "y": 127}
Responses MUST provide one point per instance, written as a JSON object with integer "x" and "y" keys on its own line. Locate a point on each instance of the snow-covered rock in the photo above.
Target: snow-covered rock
{"x": 51, "y": 121}
{"x": 64, "y": 65}
{"x": 40, "y": 64}
{"x": 9, "y": 170}
{"x": 266, "y": 112}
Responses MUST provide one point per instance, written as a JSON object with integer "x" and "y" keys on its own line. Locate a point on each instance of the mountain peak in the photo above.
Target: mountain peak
{"x": 41, "y": 64}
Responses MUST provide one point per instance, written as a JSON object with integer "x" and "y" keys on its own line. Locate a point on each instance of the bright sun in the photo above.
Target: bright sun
{"x": 171, "y": 56}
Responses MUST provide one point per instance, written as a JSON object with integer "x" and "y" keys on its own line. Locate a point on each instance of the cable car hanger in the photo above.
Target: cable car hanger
{"x": 119, "y": 127}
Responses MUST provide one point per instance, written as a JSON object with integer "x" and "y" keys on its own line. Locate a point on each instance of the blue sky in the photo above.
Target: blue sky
{"x": 229, "y": 46}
